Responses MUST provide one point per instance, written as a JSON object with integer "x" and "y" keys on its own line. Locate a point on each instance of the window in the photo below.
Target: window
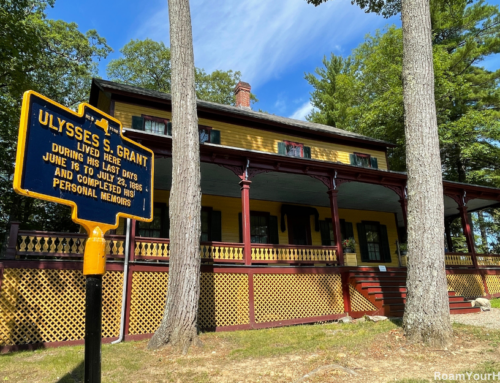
{"x": 327, "y": 234}
{"x": 263, "y": 228}
{"x": 158, "y": 228}
{"x": 363, "y": 160}
{"x": 204, "y": 133}
{"x": 294, "y": 149}
{"x": 211, "y": 225}
{"x": 259, "y": 227}
{"x": 155, "y": 125}
{"x": 373, "y": 242}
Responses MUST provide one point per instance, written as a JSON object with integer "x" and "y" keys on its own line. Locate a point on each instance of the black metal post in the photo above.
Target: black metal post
{"x": 93, "y": 324}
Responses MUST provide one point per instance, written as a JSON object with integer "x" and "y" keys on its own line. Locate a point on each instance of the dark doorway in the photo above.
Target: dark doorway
{"x": 299, "y": 229}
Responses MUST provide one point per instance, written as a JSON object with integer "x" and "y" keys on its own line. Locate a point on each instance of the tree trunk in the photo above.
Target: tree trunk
{"x": 427, "y": 312}
{"x": 179, "y": 324}
{"x": 482, "y": 228}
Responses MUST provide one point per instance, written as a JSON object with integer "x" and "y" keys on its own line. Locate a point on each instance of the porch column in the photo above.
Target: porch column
{"x": 332, "y": 193}
{"x": 469, "y": 236}
{"x": 11, "y": 250}
{"x": 404, "y": 208}
{"x": 447, "y": 230}
{"x": 245, "y": 221}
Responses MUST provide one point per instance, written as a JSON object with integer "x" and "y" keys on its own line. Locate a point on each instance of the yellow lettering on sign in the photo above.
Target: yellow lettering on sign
{"x": 46, "y": 120}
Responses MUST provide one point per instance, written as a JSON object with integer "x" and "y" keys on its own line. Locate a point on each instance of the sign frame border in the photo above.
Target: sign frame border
{"x": 20, "y": 155}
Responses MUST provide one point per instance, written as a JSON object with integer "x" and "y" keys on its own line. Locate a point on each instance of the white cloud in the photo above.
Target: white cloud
{"x": 263, "y": 38}
{"x": 302, "y": 112}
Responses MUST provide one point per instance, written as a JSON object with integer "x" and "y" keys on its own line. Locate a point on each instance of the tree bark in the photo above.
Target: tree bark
{"x": 427, "y": 312}
{"x": 179, "y": 324}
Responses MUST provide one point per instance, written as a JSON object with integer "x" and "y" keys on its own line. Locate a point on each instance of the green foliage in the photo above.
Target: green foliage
{"x": 53, "y": 58}
{"x": 364, "y": 92}
{"x": 146, "y": 64}
{"x": 387, "y": 8}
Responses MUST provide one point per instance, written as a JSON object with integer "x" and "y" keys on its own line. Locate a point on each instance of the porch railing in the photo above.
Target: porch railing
{"x": 264, "y": 253}
{"x": 492, "y": 260}
{"x": 458, "y": 259}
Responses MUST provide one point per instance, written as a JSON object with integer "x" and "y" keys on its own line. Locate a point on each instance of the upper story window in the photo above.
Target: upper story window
{"x": 163, "y": 126}
{"x": 151, "y": 124}
{"x": 294, "y": 149}
{"x": 364, "y": 160}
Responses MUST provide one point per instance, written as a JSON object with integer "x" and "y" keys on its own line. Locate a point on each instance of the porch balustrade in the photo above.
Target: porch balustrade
{"x": 263, "y": 253}
{"x": 26, "y": 244}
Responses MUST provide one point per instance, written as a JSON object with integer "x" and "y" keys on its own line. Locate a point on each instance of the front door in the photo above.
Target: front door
{"x": 299, "y": 230}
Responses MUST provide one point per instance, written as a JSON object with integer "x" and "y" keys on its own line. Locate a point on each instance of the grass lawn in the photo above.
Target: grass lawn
{"x": 495, "y": 303}
{"x": 375, "y": 352}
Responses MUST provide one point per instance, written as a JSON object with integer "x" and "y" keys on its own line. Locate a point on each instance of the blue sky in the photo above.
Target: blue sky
{"x": 273, "y": 43}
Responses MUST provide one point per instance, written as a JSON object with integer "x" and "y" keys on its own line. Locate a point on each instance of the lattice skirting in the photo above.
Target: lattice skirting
{"x": 359, "y": 302}
{"x": 293, "y": 296}
{"x": 493, "y": 283}
{"x": 466, "y": 285}
{"x": 39, "y": 305}
{"x": 223, "y": 300}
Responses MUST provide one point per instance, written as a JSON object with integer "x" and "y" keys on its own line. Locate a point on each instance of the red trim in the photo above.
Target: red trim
{"x": 245, "y": 220}
{"x": 336, "y": 224}
{"x": 345, "y": 291}
{"x": 251, "y": 299}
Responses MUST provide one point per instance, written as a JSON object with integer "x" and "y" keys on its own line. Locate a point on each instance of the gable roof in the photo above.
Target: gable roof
{"x": 244, "y": 113}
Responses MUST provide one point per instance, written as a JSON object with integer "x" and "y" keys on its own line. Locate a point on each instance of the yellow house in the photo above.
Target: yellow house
{"x": 323, "y": 218}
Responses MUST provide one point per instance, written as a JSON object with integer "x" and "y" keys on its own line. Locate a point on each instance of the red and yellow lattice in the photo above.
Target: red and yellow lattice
{"x": 49, "y": 305}
{"x": 359, "y": 302}
{"x": 292, "y": 296}
{"x": 466, "y": 285}
{"x": 223, "y": 301}
{"x": 493, "y": 282}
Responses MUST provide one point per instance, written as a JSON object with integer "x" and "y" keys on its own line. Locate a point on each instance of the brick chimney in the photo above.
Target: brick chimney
{"x": 242, "y": 93}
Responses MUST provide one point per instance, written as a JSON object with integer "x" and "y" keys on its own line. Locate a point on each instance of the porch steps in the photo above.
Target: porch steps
{"x": 387, "y": 292}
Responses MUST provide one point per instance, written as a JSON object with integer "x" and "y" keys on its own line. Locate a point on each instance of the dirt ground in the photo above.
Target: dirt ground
{"x": 388, "y": 358}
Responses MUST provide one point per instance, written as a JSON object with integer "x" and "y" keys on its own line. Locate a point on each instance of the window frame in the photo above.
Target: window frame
{"x": 208, "y": 129}
{"x": 381, "y": 256}
{"x": 209, "y": 210}
{"x": 296, "y": 144}
{"x": 146, "y": 117}
{"x": 265, "y": 214}
{"x": 364, "y": 155}
{"x": 164, "y": 210}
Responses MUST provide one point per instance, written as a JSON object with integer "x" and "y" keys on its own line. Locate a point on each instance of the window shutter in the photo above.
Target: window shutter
{"x": 352, "y": 159}
{"x": 374, "y": 162}
{"x": 282, "y": 148}
{"x": 342, "y": 229}
{"x": 349, "y": 232}
{"x": 169, "y": 128}
{"x": 240, "y": 229}
{"x": 165, "y": 224}
{"x": 216, "y": 226}
{"x": 137, "y": 123}
{"x": 324, "y": 229}
{"x": 385, "y": 249}
{"x": 274, "y": 237}
{"x": 215, "y": 137}
{"x": 363, "y": 245}
{"x": 307, "y": 152}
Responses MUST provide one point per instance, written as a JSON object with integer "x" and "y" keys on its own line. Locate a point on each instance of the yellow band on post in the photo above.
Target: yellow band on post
{"x": 94, "y": 257}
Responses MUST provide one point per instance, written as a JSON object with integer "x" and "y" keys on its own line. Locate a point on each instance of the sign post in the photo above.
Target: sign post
{"x": 81, "y": 159}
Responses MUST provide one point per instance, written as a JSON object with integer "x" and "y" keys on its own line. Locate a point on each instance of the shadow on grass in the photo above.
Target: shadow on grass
{"x": 75, "y": 376}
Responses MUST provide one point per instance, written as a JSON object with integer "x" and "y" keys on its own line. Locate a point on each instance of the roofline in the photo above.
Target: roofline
{"x": 206, "y": 106}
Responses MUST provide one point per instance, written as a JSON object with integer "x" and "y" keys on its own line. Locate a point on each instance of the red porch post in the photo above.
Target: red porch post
{"x": 404, "y": 208}
{"x": 469, "y": 236}
{"x": 10, "y": 253}
{"x": 447, "y": 231}
{"x": 332, "y": 193}
{"x": 131, "y": 255}
{"x": 245, "y": 221}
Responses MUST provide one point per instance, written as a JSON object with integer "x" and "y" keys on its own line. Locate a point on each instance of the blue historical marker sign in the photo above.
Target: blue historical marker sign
{"x": 82, "y": 160}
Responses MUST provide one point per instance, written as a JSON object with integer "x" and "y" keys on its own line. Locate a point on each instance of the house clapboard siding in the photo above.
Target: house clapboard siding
{"x": 256, "y": 139}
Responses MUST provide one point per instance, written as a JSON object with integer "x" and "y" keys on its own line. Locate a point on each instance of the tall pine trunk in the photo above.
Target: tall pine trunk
{"x": 179, "y": 324}
{"x": 427, "y": 311}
